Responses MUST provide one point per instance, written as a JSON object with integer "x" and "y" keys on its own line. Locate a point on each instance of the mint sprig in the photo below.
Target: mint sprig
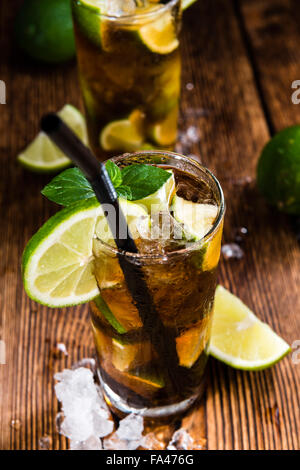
{"x": 143, "y": 180}
{"x": 133, "y": 182}
{"x": 68, "y": 187}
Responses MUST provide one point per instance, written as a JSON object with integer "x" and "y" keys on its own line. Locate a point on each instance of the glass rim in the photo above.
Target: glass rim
{"x": 132, "y": 17}
{"x": 193, "y": 245}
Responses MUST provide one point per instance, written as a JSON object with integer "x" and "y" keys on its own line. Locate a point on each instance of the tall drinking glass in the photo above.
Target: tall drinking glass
{"x": 129, "y": 70}
{"x": 181, "y": 278}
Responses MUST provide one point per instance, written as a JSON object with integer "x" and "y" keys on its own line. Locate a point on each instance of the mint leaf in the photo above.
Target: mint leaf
{"x": 125, "y": 192}
{"x": 143, "y": 179}
{"x": 68, "y": 187}
{"x": 132, "y": 182}
{"x": 114, "y": 173}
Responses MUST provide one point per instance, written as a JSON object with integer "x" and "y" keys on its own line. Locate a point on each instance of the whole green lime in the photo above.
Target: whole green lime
{"x": 278, "y": 170}
{"x": 44, "y": 30}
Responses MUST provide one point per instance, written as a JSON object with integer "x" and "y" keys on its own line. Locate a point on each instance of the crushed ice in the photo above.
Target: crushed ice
{"x": 190, "y": 136}
{"x": 240, "y": 234}
{"x": 85, "y": 362}
{"x": 120, "y": 7}
{"x": 16, "y": 424}
{"x": 189, "y": 86}
{"x": 232, "y": 251}
{"x": 129, "y": 434}
{"x": 182, "y": 440}
{"x": 45, "y": 443}
{"x": 85, "y": 413}
{"x": 62, "y": 348}
{"x": 87, "y": 421}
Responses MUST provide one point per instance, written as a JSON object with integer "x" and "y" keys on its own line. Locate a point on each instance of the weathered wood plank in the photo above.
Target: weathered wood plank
{"x": 249, "y": 410}
{"x": 272, "y": 30}
{"x": 239, "y": 410}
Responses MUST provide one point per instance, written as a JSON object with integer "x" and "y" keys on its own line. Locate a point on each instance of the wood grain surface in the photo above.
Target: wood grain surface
{"x": 241, "y": 58}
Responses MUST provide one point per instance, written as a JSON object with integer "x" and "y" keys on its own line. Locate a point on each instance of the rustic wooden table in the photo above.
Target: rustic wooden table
{"x": 239, "y": 61}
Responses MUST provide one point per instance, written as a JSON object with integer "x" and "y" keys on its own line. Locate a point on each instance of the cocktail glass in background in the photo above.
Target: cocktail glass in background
{"x": 129, "y": 69}
{"x": 181, "y": 276}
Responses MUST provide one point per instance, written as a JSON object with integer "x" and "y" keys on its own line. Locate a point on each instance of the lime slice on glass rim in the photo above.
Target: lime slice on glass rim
{"x": 42, "y": 156}
{"x": 58, "y": 261}
{"x": 239, "y": 338}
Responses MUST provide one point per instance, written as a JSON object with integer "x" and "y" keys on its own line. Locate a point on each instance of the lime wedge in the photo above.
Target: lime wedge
{"x": 92, "y": 5}
{"x": 160, "y": 200}
{"x": 58, "y": 261}
{"x": 146, "y": 376}
{"x": 124, "y": 135}
{"x": 42, "y": 156}
{"x": 87, "y": 16}
{"x": 186, "y": 3}
{"x": 212, "y": 252}
{"x": 197, "y": 219}
{"x": 191, "y": 344}
{"x": 239, "y": 338}
{"x": 164, "y": 134}
{"x": 108, "y": 315}
{"x": 160, "y": 36}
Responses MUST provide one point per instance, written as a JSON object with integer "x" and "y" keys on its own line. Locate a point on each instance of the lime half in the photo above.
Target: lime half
{"x": 42, "y": 156}
{"x": 58, "y": 260}
{"x": 160, "y": 36}
{"x": 239, "y": 338}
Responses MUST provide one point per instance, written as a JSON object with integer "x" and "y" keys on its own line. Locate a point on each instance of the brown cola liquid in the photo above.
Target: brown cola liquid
{"x": 182, "y": 286}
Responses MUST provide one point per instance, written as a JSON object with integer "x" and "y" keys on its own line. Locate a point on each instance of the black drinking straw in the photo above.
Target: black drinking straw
{"x": 105, "y": 192}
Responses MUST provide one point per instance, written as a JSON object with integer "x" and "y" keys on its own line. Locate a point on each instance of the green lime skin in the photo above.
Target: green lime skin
{"x": 44, "y": 30}
{"x": 278, "y": 171}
